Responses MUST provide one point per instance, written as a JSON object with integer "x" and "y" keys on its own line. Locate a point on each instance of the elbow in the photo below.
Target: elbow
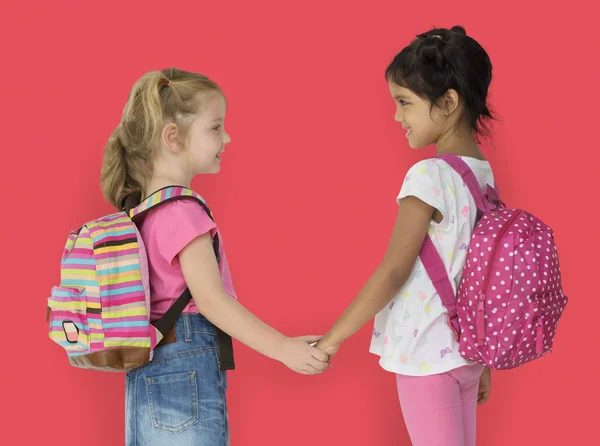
{"x": 395, "y": 276}
{"x": 202, "y": 304}
{"x": 204, "y": 300}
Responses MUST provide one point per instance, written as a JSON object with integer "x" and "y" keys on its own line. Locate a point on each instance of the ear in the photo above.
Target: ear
{"x": 449, "y": 102}
{"x": 170, "y": 137}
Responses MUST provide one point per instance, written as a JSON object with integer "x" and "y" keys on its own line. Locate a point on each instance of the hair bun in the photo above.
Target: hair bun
{"x": 459, "y": 30}
{"x": 431, "y": 49}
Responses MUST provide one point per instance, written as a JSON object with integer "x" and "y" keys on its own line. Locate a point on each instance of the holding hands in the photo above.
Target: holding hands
{"x": 300, "y": 355}
{"x": 308, "y": 355}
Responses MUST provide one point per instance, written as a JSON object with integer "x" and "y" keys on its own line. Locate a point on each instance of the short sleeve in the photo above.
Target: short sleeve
{"x": 424, "y": 181}
{"x": 177, "y": 224}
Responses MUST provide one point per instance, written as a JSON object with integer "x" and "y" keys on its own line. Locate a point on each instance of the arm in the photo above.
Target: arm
{"x": 412, "y": 223}
{"x": 202, "y": 276}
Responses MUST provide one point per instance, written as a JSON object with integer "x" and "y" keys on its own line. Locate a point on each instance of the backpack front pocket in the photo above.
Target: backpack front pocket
{"x": 68, "y": 323}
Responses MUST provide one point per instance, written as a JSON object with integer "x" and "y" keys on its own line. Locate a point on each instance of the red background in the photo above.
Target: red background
{"x": 305, "y": 199}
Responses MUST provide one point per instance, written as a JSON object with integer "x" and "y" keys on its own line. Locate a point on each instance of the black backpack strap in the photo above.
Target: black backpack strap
{"x": 167, "y": 321}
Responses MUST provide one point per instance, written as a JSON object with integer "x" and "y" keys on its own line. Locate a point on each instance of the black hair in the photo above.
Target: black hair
{"x": 443, "y": 59}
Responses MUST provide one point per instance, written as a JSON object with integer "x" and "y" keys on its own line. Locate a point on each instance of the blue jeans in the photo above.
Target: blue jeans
{"x": 179, "y": 397}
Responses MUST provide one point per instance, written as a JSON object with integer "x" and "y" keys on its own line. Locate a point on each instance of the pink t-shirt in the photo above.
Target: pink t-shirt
{"x": 166, "y": 230}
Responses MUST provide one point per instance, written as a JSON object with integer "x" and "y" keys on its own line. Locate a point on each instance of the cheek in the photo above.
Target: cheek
{"x": 204, "y": 145}
{"x": 423, "y": 121}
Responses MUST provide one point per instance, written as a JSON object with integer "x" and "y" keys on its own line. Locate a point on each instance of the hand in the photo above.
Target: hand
{"x": 328, "y": 347}
{"x": 485, "y": 384}
{"x": 301, "y": 357}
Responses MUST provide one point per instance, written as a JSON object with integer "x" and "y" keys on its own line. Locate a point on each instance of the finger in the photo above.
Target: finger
{"x": 319, "y": 354}
{"x": 483, "y": 397}
{"x": 309, "y": 369}
{"x": 331, "y": 351}
{"x": 317, "y": 364}
{"x": 310, "y": 339}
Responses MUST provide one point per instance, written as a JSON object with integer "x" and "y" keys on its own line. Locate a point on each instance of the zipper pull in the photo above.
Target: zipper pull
{"x": 480, "y": 320}
{"x": 539, "y": 337}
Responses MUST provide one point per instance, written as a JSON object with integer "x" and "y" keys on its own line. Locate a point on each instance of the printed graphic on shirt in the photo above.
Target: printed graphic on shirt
{"x": 411, "y": 335}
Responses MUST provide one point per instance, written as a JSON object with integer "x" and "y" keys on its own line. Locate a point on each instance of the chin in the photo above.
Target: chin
{"x": 209, "y": 170}
{"x": 417, "y": 145}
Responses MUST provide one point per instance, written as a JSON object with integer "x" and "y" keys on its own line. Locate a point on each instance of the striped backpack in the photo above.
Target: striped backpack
{"x": 100, "y": 312}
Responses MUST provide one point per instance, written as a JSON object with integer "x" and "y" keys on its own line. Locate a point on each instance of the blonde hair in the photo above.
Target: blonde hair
{"x": 156, "y": 99}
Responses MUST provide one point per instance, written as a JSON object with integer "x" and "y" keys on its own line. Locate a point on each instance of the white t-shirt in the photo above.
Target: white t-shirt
{"x": 411, "y": 334}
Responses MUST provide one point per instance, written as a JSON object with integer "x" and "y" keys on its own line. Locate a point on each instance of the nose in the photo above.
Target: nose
{"x": 398, "y": 115}
{"x": 226, "y": 138}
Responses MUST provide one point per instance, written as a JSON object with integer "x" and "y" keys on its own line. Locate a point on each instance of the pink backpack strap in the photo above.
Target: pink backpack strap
{"x": 483, "y": 201}
{"x": 430, "y": 257}
{"x": 437, "y": 273}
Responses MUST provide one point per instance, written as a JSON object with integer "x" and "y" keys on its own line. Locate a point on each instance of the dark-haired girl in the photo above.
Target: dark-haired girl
{"x": 439, "y": 84}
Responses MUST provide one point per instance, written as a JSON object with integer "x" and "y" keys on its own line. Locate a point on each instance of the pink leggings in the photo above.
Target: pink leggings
{"x": 441, "y": 409}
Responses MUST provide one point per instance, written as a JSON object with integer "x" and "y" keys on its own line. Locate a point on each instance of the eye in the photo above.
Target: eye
{"x": 217, "y": 128}
{"x": 402, "y": 102}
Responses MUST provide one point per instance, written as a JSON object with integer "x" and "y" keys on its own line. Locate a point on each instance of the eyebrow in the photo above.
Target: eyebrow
{"x": 400, "y": 96}
{"x": 217, "y": 120}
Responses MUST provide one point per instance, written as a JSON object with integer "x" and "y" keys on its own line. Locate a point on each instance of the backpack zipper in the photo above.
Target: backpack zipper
{"x": 482, "y": 296}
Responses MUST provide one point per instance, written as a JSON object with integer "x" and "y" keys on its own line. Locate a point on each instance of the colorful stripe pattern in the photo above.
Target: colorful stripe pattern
{"x": 103, "y": 300}
{"x": 164, "y": 195}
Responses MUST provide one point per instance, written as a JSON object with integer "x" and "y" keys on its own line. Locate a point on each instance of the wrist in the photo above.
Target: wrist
{"x": 330, "y": 339}
{"x": 279, "y": 345}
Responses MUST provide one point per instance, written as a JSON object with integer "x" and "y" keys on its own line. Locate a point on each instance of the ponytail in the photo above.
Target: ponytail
{"x": 119, "y": 176}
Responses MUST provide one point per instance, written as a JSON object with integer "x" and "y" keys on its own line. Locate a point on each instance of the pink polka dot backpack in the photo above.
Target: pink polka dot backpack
{"x": 510, "y": 297}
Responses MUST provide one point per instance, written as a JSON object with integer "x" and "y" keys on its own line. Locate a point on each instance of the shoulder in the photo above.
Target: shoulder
{"x": 186, "y": 209}
{"x": 182, "y": 215}
{"x": 430, "y": 171}
{"x": 173, "y": 225}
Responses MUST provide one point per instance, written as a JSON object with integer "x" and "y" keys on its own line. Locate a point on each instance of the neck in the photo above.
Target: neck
{"x": 159, "y": 180}
{"x": 459, "y": 141}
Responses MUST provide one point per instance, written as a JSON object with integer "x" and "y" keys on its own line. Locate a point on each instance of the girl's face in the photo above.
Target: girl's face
{"x": 207, "y": 137}
{"x": 423, "y": 125}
